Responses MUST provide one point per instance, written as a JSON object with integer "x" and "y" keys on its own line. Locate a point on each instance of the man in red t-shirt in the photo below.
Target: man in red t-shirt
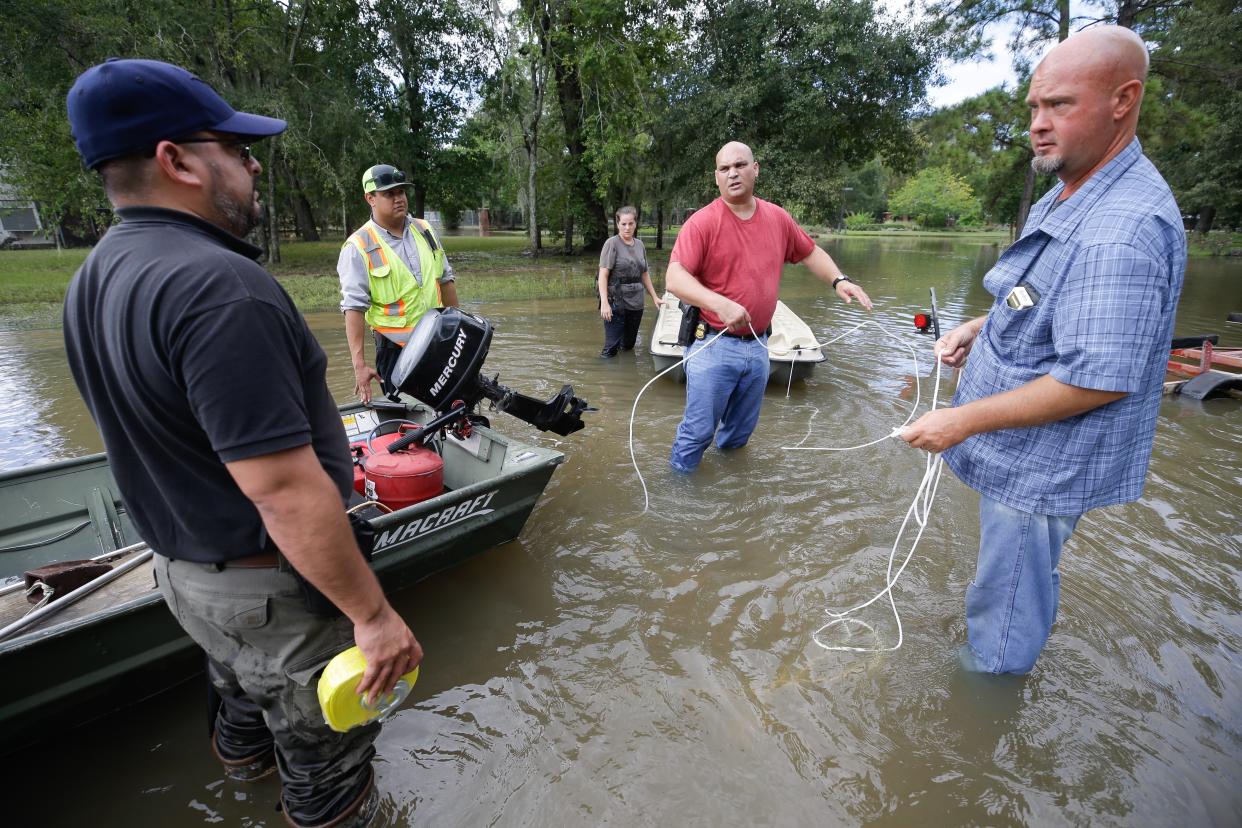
{"x": 727, "y": 261}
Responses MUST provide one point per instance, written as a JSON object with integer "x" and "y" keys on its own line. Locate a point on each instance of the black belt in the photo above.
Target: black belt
{"x": 261, "y": 560}
{"x": 748, "y": 335}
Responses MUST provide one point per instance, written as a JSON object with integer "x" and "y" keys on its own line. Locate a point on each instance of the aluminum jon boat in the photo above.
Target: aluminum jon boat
{"x": 792, "y": 349}
{"x": 119, "y": 643}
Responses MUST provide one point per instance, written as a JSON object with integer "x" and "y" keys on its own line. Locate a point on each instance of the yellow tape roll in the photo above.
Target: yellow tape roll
{"x": 342, "y": 707}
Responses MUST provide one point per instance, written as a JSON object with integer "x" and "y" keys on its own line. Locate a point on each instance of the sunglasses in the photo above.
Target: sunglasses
{"x": 388, "y": 179}
{"x": 241, "y": 147}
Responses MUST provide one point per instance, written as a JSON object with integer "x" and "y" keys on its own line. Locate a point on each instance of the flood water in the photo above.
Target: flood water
{"x": 616, "y": 667}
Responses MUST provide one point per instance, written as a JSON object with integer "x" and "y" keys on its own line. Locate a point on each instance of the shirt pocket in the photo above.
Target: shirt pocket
{"x": 1037, "y": 261}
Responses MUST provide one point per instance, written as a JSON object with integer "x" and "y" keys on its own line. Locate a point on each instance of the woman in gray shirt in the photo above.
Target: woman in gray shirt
{"x": 623, "y": 279}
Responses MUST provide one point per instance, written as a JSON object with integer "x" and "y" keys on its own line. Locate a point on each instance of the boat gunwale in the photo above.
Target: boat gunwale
{"x": 508, "y": 472}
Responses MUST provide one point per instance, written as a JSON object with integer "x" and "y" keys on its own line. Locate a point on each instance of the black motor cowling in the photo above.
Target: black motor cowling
{"x": 441, "y": 363}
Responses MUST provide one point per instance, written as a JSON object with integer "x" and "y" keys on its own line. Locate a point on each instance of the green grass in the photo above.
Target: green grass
{"x": 496, "y": 267}
{"x": 899, "y": 232}
{"x": 36, "y": 276}
{"x": 1215, "y": 243}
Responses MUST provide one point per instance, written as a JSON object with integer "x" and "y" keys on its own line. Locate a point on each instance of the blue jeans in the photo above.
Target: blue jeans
{"x": 724, "y": 391}
{"x": 1012, "y": 602}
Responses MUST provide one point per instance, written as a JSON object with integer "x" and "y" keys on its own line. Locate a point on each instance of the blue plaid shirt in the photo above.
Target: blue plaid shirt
{"x": 1107, "y": 264}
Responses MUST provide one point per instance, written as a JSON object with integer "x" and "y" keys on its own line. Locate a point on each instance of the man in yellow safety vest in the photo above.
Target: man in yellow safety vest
{"x": 392, "y": 271}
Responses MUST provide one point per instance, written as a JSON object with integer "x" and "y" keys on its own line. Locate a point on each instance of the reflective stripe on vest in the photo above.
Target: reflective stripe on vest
{"x": 373, "y": 252}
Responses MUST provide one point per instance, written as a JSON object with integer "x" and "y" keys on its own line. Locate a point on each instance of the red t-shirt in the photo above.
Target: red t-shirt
{"x": 741, "y": 260}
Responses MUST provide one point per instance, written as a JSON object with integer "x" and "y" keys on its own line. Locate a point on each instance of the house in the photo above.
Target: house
{"x": 19, "y": 219}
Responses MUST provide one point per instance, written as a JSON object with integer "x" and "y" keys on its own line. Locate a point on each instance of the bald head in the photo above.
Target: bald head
{"x": 1110, "y": 55}
{"x": 1084, "y": 99}
{"x": 736, "y": 172}
{"x": 734, "y": 149}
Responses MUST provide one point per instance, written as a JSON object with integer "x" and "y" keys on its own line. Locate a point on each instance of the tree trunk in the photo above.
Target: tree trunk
{"x": 660, "y": 225}
{"x": 1127, "y": 13}
{"x": 569, "y": 93}
{"x": 569, "y": 234}
{"x": 1024, "y": 205}
{"x": 418, "y": 164}
{"x": 1207, "y": 216}
{"x": 418, "y": 208}
{"x": 303, "y": 215}
{"x": 532, "y": 215}
{"x": 1063, "y": 21}
{"x": 273, "y": 237}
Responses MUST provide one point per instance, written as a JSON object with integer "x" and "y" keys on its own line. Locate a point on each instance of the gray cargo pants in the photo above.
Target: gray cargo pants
{"x": 267, "y": 652}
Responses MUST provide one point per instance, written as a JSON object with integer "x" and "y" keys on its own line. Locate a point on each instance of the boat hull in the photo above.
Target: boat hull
{"x": 71, "y": 670}
{"x": 791, "y": 346}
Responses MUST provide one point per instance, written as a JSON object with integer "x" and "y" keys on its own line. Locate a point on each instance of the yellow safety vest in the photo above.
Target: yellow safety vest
{"x": 398, "y": 301}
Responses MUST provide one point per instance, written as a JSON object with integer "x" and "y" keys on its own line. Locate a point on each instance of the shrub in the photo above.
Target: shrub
{"x": 934, "y": 197}
{"x": 860, "y": 221}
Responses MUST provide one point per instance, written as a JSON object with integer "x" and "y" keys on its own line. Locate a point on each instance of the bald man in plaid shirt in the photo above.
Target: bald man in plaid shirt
{"x": 1055, "y": 412}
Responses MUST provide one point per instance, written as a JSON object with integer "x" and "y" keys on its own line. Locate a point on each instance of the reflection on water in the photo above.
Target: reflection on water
{"x": 658, "y": 668}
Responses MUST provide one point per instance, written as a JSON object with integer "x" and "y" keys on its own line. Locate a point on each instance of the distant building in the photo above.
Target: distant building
{"x": 19, "y": 219}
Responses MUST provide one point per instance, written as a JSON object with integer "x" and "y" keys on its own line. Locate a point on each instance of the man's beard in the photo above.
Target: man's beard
{"x": 1047, "y": 164}
{"x": 236, "y": 217}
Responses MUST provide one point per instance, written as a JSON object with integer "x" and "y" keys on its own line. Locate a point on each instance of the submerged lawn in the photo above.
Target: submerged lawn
{"x": 33, "y": 282}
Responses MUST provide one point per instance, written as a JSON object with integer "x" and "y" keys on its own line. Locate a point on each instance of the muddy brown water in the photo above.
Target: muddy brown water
{"x": 614, "y": 667}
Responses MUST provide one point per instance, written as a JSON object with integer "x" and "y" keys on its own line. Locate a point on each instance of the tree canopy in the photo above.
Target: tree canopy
{"x": 560, "y": 111}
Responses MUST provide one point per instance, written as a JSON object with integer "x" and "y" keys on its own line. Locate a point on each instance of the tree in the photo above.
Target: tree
{"x": 936, "y": 197}
{"x": 1192, "y": 116}
{"x": 811, "y": 86}
{"x": 432, "y": 48}
{"x": 604, "y": 56}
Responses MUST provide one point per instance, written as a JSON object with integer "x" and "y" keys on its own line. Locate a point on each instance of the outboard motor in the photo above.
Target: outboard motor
{"x": 441, "y": 363}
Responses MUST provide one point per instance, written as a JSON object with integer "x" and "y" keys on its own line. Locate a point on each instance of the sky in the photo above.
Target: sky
{"x": 968, "y": 79}
{"x": 971, "y": 78}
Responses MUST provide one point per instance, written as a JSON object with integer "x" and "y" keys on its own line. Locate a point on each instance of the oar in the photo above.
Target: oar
{"x": 69, "y": 598}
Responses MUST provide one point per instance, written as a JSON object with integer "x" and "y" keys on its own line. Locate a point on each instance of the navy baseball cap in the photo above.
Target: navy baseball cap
{"x": 125, "y": 106}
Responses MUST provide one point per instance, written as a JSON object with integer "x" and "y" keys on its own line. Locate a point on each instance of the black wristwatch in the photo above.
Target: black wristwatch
{"x": 841, "y": 278}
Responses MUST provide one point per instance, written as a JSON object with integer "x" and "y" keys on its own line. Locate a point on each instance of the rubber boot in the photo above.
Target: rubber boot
{"x": 249, "y": 768}
{"x": 359, "y": 814}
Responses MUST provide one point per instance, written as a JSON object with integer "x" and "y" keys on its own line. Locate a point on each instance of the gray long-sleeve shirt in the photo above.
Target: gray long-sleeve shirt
{"x": 352, "y": 269}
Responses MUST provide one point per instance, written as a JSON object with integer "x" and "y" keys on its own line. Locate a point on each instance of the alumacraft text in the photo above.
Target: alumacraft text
{"x": 435, "y": 521}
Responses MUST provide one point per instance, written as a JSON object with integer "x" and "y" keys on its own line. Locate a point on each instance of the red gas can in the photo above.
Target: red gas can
{"x": 360, "y": 453}
{"x": 410, "y": 476}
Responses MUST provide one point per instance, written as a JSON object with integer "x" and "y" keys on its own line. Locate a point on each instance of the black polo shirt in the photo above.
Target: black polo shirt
{"x": 190, "y": 355}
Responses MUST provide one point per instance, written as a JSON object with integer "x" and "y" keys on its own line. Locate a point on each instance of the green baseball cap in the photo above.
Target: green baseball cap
{"x": 383, "y": 177}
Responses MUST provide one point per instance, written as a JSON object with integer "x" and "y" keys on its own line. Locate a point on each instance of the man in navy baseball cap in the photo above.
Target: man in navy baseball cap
{"x": 173, "y": 332}
{"x": 123, "y": 107}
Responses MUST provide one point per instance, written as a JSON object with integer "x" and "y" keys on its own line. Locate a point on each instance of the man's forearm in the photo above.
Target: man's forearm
{"x": 1043, "y": 400}
{"x": 1040, "y": 401}
{"x": 448, "y": 294}
{"x": 303, "y": 512}
{"x": 355, "y": 335}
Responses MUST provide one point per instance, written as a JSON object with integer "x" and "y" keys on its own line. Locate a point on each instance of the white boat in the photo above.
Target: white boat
{"x": 792, "y": 347}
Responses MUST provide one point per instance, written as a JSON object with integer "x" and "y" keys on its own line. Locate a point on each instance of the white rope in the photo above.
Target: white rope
{"x": 920, "y": 506}
{"x": 920, "y": 510}
{"x": 634, "y": 410}
{"x": 913, "y": 409}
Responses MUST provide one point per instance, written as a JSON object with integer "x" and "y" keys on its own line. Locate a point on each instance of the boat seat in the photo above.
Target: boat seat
{"x": 101, "y": 509}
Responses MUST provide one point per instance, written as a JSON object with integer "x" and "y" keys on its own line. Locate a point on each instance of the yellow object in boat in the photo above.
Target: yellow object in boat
{"x": 342, "y": 707}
